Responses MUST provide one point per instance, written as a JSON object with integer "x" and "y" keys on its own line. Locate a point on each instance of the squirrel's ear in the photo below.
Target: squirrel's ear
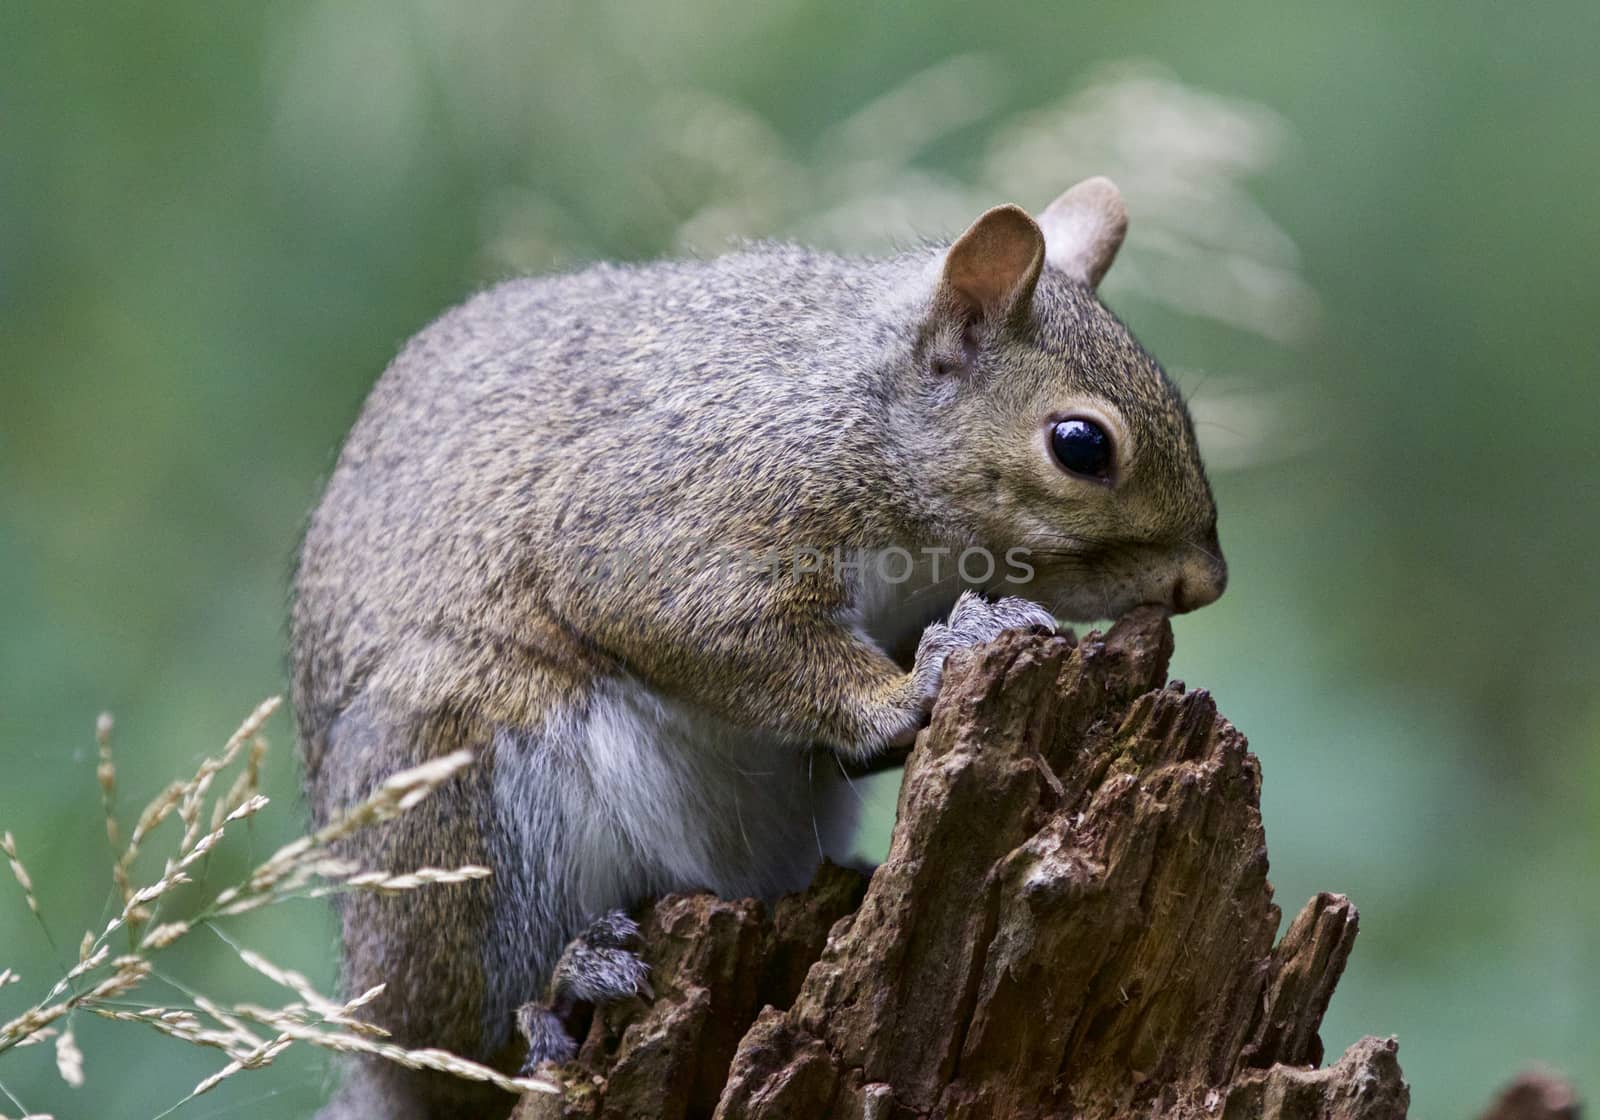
{"x": 1083, "y": 229}
{"x": 991, "y": 269}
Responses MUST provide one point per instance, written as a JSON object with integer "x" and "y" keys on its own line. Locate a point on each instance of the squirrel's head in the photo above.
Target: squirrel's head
{"x": 1068, "y": 440}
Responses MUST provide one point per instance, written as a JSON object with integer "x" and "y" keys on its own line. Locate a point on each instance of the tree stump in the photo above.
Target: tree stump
{"x": 1074, "y": 920}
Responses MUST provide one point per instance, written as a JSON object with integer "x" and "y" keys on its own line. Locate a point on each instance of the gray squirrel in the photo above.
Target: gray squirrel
{"x": 902, "y": 457}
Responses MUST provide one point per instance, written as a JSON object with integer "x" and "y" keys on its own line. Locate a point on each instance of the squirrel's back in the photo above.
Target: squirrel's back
{"x": 583, "y": 405}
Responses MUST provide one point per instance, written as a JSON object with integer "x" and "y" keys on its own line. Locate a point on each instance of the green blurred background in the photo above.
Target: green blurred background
{"x": 1364, "y": 238}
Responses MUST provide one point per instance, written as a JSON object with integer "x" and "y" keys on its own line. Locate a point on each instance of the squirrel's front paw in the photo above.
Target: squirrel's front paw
{"x": 973, "y": 621}
{"x": 596, "y": 967}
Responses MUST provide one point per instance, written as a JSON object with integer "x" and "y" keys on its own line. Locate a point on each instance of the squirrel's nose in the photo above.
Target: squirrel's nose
{"x": 1201, "y": 580}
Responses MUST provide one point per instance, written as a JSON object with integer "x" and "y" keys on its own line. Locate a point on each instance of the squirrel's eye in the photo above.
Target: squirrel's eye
{"x": 1082, "y": 447}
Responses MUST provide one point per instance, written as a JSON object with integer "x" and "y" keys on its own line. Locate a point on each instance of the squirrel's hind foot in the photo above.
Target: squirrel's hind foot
{"x": 596, "y": 968}
{"x": 546, "y": 1035}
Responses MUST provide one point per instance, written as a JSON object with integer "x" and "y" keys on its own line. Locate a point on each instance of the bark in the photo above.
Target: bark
{"x": 1074, "y": 920}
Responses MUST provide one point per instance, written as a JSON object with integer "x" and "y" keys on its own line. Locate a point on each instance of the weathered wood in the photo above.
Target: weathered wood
{"x": 1537, "y": 1094}
{"x": 1074, "y": 919}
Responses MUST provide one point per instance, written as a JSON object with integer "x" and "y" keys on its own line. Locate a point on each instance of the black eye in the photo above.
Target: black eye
{"x": 1082, "y": 447}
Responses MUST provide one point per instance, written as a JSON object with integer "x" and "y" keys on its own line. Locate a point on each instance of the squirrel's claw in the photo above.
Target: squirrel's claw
{"x": 973, "y": 621}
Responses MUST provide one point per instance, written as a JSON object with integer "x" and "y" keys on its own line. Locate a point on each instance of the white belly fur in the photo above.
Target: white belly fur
{"x": 671, "y": 798}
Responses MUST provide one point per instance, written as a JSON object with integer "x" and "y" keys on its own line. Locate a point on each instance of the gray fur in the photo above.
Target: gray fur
{"x": 666, "y": 727}
{"x": 639, "y": 796}
{"x": 547, "y": 1037}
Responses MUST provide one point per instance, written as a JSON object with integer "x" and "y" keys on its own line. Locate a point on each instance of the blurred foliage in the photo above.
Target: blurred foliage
{"x": 218, "y": 220}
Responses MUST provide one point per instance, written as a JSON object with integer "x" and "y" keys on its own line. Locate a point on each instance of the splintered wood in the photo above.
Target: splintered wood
{"x": 1074, "y": 920}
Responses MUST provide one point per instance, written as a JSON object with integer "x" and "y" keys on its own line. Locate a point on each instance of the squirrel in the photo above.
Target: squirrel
{"x": 904, "y": 456}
